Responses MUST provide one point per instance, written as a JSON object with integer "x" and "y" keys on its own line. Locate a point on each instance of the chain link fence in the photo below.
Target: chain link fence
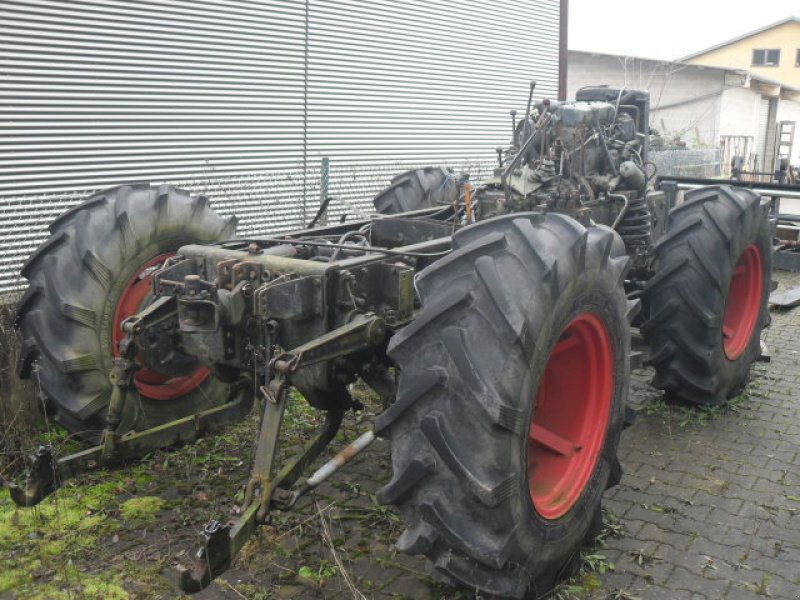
{"x": 266, "y": 203}
{"x": 272, "y": 202}
{"x": 700, "y": 162}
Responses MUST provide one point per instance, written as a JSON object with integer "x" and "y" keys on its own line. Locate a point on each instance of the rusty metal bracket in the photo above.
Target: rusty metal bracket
{"x": 43, "y": 478}
{"x": 219, "y": 547}
{"x": 220, "y": 543}
{"x": 267, "y": 445}
{"x": 121, "y": 377}
{"x": 364, "y": 331}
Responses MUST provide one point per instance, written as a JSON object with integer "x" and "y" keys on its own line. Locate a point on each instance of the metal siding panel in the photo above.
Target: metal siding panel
{"x": 211, "y": 95}
{"x": 395, "y": 85}
{"x": 206, "y": 94}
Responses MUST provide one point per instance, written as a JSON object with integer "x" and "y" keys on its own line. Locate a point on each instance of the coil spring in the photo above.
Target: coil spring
{"x": 637, "y": 225}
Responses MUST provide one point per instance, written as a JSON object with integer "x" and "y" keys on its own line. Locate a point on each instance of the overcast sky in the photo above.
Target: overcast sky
{"x": 667, "y": 29}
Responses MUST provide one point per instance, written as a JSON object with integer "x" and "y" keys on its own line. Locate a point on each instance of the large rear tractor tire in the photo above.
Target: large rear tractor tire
{"x": 91, "y": 274}
{"x": 414, "y": 190}
{"x": 512, "y": 389}
{"x": 708, "y": 298}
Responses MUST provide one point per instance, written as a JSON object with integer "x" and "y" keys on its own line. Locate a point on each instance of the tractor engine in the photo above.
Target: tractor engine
{"x": 586, "y": 158}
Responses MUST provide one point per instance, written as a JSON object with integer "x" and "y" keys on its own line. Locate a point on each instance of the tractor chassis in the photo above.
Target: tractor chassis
{"x": 511, "y": 306}
{"x": 336, "y": 310}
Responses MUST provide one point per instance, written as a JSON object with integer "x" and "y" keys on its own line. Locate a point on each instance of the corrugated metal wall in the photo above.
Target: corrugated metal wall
{"x": 394, "y": 84}
{"x": 240, "y": 99}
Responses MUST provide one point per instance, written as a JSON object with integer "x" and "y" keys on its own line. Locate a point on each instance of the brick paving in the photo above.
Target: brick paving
{"x": 713, "y": 497}
{"x": 709, "y": 503}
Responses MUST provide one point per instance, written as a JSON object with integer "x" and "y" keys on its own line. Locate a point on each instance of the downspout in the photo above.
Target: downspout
{"x": 305, "y": 111}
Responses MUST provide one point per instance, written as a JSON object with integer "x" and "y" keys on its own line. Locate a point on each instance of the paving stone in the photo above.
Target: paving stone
{"x": 729, "y": 503}
{"x": 409, "y": 588}
{"x": 725, "y": 484}
{"x": 644, "y": 512}
{"x": 683, "y": 579}
{"x": 651, "y": 592}
{"x": 738, "y": 592}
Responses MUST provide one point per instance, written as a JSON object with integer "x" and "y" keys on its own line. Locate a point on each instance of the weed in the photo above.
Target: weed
{"x": 567, "y": 591}
{"x": 686, "y": 416}
{"x": 300, "y": 420}
{"x": 596, "y": 563}
{"x": 325, "y": 571}
{"x": 708, "y": 565}
{"x": 692, "y": 537}
{"x": 20, "y": 409}
{"x": 612, "y": 527}
{"x": 327, "y": 538}
{"x": 643, "y": 558}
{"x": 762, "y": 586}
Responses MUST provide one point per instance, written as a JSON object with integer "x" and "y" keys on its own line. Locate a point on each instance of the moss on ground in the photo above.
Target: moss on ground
{"x": 58, "y": 549}
{"x": 143, "y": 508}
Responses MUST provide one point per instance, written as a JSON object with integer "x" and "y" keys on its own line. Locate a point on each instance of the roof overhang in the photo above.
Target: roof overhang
{"x": 739, "y": 38}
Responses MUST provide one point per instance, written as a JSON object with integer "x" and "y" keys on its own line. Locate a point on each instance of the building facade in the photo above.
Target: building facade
{"x": 772, "y": 52}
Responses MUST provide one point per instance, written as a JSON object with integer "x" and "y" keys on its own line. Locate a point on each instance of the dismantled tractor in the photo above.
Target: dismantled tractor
{"x": 493, "y": 320}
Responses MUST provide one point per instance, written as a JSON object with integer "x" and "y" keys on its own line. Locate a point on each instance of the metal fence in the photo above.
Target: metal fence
{"x": 702, "y": 162}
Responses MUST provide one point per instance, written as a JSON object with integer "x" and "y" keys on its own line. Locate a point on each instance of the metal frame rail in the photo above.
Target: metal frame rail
{"x": 787, "y": 257}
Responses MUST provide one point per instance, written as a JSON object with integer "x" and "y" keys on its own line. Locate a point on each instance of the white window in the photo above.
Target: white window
{"x": 766, "y": 58}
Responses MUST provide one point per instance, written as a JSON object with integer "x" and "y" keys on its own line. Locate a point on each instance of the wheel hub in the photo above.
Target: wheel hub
{"x": 744, "y": 302}
{"x": 571, "y": 416}
{"x": 150, "y": 383}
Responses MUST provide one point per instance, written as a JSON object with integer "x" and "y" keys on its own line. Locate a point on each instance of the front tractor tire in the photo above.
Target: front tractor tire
{"x": 512, "y": 389}
{"x": 708, "y": 298}
{"x": 91, "y": 274}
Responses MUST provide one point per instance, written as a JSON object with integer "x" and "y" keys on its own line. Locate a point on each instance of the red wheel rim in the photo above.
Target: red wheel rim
{"x": 571, "y": 415}
{"x": 133, "y": 298}
{"x": 744, "y": 302}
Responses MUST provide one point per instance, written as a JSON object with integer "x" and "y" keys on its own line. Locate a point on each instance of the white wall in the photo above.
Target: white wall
{"x": 739, "y": 115}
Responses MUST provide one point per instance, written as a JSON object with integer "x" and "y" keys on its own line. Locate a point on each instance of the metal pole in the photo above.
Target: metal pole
{"x": 324, "y": 183}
